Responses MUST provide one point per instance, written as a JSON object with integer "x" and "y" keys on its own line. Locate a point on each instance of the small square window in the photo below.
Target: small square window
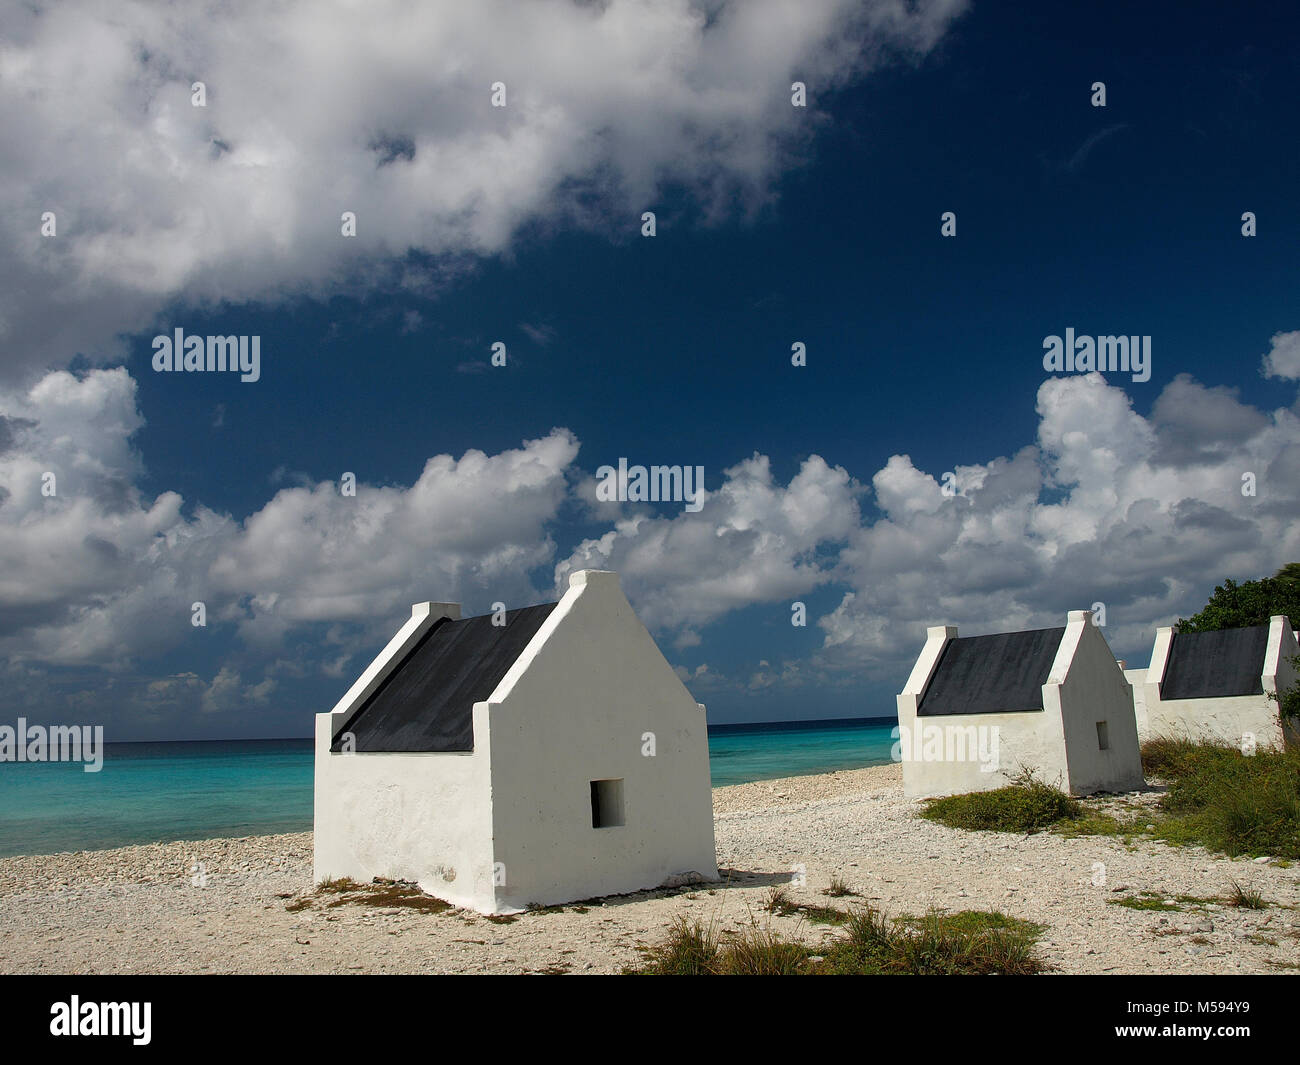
{"x": 606, "y": 803}
{"x": 1103, "y": 740}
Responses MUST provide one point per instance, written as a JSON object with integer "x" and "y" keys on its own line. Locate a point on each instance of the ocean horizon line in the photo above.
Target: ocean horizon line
{"x": 785, "y": 724}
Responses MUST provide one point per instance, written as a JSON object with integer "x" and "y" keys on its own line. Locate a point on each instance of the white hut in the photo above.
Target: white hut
{"x": 979, "y": 710}
{"x": 1219, "y": 685}
{"x": 537, "y": 758}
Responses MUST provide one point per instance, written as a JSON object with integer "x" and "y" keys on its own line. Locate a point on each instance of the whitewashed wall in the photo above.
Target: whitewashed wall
{"x": 421, "y": 817}
{"x": 575, "y": 708}
{"x": 1090, "y": 687}
{"x": 1137, "y": 682}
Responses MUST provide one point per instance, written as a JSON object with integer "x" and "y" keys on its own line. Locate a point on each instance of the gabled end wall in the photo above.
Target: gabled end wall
{"x": 592, "y": 698}
{"x": 1093, "y": 693}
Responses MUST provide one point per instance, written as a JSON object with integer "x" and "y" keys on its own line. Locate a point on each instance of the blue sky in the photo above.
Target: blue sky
{"x": 521, "y": 224}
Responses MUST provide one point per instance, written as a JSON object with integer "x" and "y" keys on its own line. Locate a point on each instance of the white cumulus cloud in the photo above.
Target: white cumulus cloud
{"x": 317, "y": 107}
{"x": 1283, "y": 357}
{"x": 95, "y": 573}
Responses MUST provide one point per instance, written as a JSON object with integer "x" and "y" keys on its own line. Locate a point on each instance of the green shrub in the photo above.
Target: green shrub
{"x": 1025, "y": 806}
{"x": 1227, "y": 801}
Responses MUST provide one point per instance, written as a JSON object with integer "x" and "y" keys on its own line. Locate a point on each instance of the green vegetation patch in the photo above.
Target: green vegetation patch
{"x": 1025, "y": 806}
{"x": 965, "y": 943}
{"x": 1146, "y": 900}
{"x": 1227, "y": 801}
{"x": 1217, "y": 798}
{"x": 1098, "y": 823}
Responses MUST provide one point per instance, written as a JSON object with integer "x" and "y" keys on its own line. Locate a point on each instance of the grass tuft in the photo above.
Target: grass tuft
{"x": 1245, "y": 898}
{"x": 839, "y": 888}
{"x": 760, "y": 952}
{"x": 690, "y": 950}
{"x": 780, "y": 903}
{"x": 337, "y": 885}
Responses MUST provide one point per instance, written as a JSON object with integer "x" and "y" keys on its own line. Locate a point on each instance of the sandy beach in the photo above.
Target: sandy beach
{"x": 248, "y": 905}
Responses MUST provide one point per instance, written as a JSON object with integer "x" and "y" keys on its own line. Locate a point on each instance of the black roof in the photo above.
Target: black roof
{"x": 1208, "y": 665}
{"x": 427, "y": 702}
{"x": 991, "y": 674}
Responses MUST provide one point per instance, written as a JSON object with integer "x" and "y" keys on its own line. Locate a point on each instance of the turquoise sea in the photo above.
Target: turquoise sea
{"x": 150, "y": 792}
